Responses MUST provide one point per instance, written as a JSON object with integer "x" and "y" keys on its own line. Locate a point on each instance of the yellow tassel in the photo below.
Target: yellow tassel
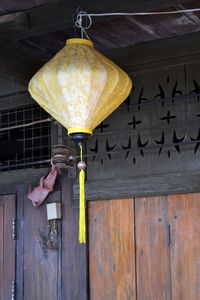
{"x": 82, "y": 225}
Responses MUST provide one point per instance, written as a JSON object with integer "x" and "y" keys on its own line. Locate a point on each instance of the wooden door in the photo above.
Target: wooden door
{"x": 7, "y": 246}
{"x": 145, "y": 248}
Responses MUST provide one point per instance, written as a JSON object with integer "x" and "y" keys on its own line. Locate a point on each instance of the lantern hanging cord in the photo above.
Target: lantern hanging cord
{"x": 82, "y": 14}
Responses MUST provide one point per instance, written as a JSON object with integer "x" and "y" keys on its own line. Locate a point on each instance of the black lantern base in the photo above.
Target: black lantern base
{"x": 80, "y": 137}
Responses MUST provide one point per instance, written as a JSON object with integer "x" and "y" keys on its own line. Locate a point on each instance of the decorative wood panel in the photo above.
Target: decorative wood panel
{"x": 156, "y": 130}
{"x": 112, "y": 250}
{"x": 152, "y": 249}
{"x": 184, "y": 216}
{"x": 7, "y": 246}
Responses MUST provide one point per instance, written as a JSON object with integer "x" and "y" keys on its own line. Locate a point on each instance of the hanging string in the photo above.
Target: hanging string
{"x": 79, "y": 22}
{"x": 82, "y": 222}
{"x": 88, "y": 17}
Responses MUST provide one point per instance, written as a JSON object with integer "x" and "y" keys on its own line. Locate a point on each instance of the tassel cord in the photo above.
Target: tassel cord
{"x": 82, "y": 222}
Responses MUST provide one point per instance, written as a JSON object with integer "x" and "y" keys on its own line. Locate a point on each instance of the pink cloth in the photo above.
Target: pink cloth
{"x": 39, "y": 194}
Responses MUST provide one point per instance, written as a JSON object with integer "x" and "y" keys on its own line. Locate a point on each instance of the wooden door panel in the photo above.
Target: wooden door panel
{"x": 184, "y": 216}
{"x": 41, "y": 264}
{"x": 112, "y": 250}
{"x": 152, "y": 250}
{"x": 7, "y": 247}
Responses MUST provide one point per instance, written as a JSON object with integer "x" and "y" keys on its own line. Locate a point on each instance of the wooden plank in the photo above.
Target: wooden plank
{"x": 1, "y": 250}
{"x": 182, "y": 182}
{"x": 57, "y": 16}
{"x": 16, "y": 100}
{"x": 7, "y": 203}
{"x": 112, "y": 250}
{"x": 17, "y": 64}
{"x": 152, "y": 252}
{"x": 158, "y": 53}
{"x": 74, "y": 255}
{"x": 20, "y": 177}
{"x": 184, "y": 216}
{"x": 41, "y": 264}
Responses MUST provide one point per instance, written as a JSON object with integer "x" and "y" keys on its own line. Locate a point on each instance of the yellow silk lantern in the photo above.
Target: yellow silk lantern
{"x": 80, "y": 87}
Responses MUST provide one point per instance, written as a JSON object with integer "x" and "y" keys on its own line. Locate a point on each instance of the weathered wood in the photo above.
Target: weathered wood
{"x": 185, "y": 182}
{"x": 7, "y": 248}
{"x": 27, "y": 176}
{"x": 112, "y": 250}
{"x": 16, "y": 21}
{"x": 15, "y": 100}
{"x": 74, "y": 255}
{"x": 57, "y": 16}
{"x": 184, "y": 216}
{"x": 152, "y": 255}
{"x": 158, "y": 53}
{"x": 41, "y": 264}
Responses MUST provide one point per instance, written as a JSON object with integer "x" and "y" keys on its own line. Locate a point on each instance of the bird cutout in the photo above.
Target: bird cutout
{"x": 141, "y": 99}
{"x": 161, "y": 142}
{"x": 127, "y": 147}
{"x": 140, "y": 144}
{"x": 177, "y": 140}
{"x": 196, "y": 89}
{"x": 109, "y": 148}
{"x": 127, "y": 102}
{"x": 95, "y": 149}
{"x": 161, "y": 94}
{"x": 197, "y": 139}
{"x": 175, "y": 92}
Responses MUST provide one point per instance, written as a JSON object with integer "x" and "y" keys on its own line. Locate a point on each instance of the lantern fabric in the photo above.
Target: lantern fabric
{"x": 79, "y": 86}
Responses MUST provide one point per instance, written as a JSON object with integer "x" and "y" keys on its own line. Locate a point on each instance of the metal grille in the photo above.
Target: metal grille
{"x": 25, "y": 138}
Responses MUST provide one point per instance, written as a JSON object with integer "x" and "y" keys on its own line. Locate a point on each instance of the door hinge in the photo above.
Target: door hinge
{"x": 14, "y": 229}
{"x": 13, "y": 290}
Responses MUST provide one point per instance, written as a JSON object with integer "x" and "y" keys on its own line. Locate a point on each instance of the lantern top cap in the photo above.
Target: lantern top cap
{"x": 80, "y": 41}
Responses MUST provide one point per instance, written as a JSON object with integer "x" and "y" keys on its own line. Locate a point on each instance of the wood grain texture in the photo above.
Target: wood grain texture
{"x": 41, "y": 264}
{"x": 184, "y": 216}
{"x": 112, "y": 250}
{"x": 74, "y": 254}
{"x": 152, "y": 253}
{"x": 7, "y": 258}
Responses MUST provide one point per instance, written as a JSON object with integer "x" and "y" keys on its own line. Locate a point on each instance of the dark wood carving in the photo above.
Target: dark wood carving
{"x": 155, "y": 131}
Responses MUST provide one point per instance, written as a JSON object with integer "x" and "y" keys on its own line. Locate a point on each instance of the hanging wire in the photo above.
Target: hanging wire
{"x": 81, "y": 15}
{"x": 79, "y": 22}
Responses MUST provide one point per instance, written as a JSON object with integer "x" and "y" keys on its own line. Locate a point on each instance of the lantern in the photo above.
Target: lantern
{"x": 80, "y": 87}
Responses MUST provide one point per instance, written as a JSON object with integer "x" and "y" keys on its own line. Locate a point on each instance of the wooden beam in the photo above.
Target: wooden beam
{"x": 20, "y": 65}
{"x": 13, "y": 22}
{"x": 159, "y": 53}
{"x": 16, "y": 64}
{"x": 57, "y": 16}
{"x": 174, "y": 183}
{"x": 15, "y": 100}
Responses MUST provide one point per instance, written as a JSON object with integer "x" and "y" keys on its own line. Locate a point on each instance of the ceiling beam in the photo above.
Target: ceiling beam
{"x": 17, "y": 64}
{"x": 20, "y": 66}
{"x": 57, "y": 16}
{"x": 159, "y": 53}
